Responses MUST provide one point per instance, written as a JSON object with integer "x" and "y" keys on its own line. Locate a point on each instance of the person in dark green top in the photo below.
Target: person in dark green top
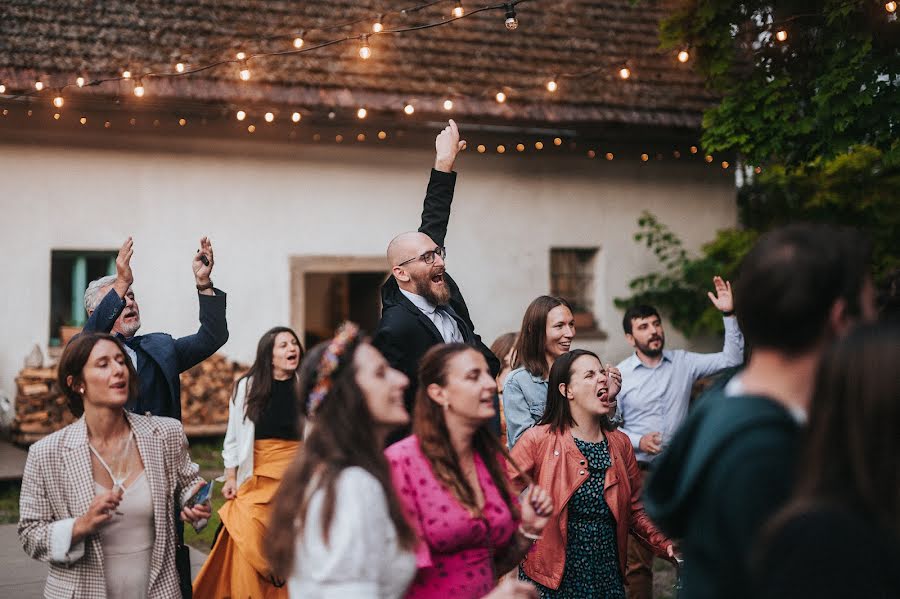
{"x": 731, "y": 466}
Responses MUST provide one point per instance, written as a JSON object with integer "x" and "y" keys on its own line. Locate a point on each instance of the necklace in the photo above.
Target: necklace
{"x": 123, "y": 464}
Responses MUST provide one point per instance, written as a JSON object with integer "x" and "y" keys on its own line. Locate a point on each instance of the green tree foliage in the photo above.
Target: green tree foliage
{"x": 820, "y": 113}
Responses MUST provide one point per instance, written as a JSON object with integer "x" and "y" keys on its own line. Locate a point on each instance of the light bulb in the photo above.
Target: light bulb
{"x": 179, "y": 67}
{"x": 501, "y": 149}
{"x": 245, "y": 73}
{"x": 520, "y": 147}
{"x": 139, "y": 89}
{"x": 481, "y": 149}
{"x": 298, "y": 42}
{"x": 251, "y": 128}
{"x": 83, "y": 120}
{"x": 458, "y": 10}
{"x": 644, "y": 158}
{"x": 501, "y": 97}
{"x": 126, "y": 74}
{"x": 610, "y": 156}
{"x": 364, "y": 50}
{"x": 38, "y": 85}
{"x": 361, "y": 113}
{"x": 538, "y": 145}
{"x": 684, "y": 56}
{"x": 557, "y": 141}
{"x": 382, "y": 135}
{"x": 58, "y": 101}
{"x": 409, "y": 109}
{"x": 890, "y": 7}
{"x": 296, "y": 117}
{"x": 241, "y": 115}
{"x": 2, "y": 89}
{"x": 552, "y": 86}
{"x": 240, "y": 55}
{"x": 725, "y": 164}
{"x": 781, "y": 35}
{"x": 79, "y": 81}
{"x": 512, "y": 23}
{"x": 624, "y": 72}
{"x": 448, "y": 104}
{"x": 182, "y": 122}
{"x": 377, "y": 27}
{"x": 269, "y": 117}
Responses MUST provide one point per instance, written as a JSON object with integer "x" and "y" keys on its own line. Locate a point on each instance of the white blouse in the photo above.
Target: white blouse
{"x": 362, "y": 558}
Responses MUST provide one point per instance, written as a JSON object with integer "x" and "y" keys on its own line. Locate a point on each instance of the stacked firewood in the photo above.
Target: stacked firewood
{"x": 40, "y": 407}
{"x": 205, "y": 392}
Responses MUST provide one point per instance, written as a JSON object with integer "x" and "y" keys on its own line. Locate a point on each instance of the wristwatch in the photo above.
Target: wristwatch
{"x": 209, "y": 285}
{"x": 729, "y": 313}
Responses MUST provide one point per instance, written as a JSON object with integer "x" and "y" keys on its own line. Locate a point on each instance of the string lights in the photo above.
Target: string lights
{"x": 459, "y": 11}
{"x": 781, "y": 35}
{"x": 512, "y": 23}
{"x": 891, "y": 7}
{"x": 138, "y": 88}
{"x": 365, "y": 52}
{"x": 684, "y": 56}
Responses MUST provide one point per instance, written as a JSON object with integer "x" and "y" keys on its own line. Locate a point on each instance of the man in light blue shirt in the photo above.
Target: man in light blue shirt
{"x": 656, "y": 389}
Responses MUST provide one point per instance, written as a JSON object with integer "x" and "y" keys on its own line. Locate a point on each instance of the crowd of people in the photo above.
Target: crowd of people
{"x": 414, "y": 461}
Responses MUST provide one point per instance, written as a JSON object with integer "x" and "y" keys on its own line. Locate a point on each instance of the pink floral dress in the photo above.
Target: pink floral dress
{"x": 456, "y": 550}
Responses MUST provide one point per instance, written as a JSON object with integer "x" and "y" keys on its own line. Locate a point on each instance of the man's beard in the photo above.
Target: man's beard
{"x": 130, "y": 328}
{"x": 425, "y": 288}
{"x": 652, "y": 353}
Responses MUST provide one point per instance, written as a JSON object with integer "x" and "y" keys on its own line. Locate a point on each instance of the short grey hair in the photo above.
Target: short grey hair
{"x": 92, "y": 297}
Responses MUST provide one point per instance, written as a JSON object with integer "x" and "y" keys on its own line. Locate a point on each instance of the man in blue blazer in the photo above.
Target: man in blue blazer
{"x": 158, "y": 358}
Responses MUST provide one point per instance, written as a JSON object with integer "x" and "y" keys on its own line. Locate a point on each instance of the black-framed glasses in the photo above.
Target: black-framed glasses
{"x": 429, "y": 256}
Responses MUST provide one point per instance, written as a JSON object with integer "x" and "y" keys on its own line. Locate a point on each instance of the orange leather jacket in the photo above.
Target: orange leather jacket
{"x": 555, "y": 463}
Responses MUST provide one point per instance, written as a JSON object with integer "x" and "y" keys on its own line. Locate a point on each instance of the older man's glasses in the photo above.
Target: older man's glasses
{"x": 428, "y": 257}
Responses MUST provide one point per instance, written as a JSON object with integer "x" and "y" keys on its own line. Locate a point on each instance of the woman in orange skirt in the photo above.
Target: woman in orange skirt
{"x": 261, "y": 440}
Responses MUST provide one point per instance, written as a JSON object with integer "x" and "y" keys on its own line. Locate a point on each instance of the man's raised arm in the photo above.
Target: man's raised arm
{"x": 439, "y": 195}
{"x": 104, "y": 316}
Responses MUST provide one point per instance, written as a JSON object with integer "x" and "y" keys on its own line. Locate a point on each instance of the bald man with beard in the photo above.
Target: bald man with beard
{"x": 422, "y": 305}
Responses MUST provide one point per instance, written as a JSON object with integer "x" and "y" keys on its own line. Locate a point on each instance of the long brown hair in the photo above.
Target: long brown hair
{"x": 341, "y": 436}
{"x": 261, "y": 375}
{"x": 73, "y": 360}
{"x": 558, "y": 413}
{"x": 430, "y": 427}
{"x": 851, "y": 457}
{"x": 531, "y": 348}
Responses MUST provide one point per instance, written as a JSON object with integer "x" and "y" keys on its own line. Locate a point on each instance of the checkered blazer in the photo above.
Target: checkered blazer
{"x": 58, "y": 486}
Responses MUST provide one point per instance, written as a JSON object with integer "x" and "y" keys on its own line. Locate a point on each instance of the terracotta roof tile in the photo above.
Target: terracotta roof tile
{"x": 468, "y": 60}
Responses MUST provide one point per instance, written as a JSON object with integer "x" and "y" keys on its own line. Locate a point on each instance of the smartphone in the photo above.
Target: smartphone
{"x": 201, "y": 496}
{"x": 204, "y": 259}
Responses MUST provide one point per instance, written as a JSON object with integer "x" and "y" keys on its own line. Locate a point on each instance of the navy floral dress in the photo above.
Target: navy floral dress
{"x": 592, "y": 558}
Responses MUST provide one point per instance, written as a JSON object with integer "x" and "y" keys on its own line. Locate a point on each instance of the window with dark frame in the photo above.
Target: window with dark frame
{"x": 572, "y": 278}
{"x": 70, "y": 273}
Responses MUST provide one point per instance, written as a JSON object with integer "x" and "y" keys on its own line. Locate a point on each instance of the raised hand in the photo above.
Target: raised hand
{"x": 202, "y": 271}
{"x": 722, "y": 300}
{"x": 613, "y": 381}
{"x": 99, "y": 514}
{"x": 124, "y": 276}
{"x": 446, "y": 146}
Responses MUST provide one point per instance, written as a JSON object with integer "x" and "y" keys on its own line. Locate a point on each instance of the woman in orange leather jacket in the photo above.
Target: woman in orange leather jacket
{"x": 594, "y": 481}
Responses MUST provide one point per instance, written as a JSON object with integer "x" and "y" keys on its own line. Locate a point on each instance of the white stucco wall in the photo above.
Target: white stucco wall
{"x": 262, "y": 207}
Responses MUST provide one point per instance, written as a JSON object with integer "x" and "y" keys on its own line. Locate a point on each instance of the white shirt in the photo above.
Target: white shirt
{"x": 237, "y": 450}
{"x": 446, "y": 324}
{"x": 362, "y": 559}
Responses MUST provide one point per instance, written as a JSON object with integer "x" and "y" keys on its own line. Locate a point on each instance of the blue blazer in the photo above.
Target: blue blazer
{"x": 173, "y": 356}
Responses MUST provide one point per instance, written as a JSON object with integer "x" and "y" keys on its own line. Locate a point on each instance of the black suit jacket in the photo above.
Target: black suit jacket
{"x": 404, "y": 333}
{"x": 173, "y": 356}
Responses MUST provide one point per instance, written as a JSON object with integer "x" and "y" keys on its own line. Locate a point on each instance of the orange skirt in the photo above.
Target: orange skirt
{"x": 237, "y": 567}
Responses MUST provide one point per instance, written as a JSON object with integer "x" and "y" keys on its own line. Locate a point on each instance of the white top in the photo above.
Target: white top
{"x": 362, "y": 559}
{"x": 237, "y": 450}
{"x": 127, "y": 542}
{"x": 446, "y": 324}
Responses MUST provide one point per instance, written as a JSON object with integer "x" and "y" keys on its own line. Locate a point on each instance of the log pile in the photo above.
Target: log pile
{"x": 205, "y": 392}
{"x": 40, "y": 407}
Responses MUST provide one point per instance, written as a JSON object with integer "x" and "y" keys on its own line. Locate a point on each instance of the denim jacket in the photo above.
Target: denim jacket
{"x": 524, "y": 400}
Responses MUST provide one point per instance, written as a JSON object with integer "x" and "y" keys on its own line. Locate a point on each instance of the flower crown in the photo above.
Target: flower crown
{"x": 329, "y": 362}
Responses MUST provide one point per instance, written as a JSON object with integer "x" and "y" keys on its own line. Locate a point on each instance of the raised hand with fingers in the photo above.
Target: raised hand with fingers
{"x": 537, "y": 507}
{"x": 722, "y": 300}
{"x": 124, "y": 275}
{"x": 446, "y": 146}
{"x": 99, "y": 514}
{"x": 203, "y": 263}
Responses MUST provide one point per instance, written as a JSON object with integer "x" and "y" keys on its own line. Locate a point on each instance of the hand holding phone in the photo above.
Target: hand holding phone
{"x": 201, "y": 496}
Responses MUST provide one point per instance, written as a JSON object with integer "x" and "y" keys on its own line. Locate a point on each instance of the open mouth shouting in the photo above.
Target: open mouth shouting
{"x": 438, "y": 278}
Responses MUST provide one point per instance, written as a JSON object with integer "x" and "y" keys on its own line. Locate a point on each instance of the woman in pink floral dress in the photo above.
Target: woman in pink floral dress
{"x": 450, "y": 478}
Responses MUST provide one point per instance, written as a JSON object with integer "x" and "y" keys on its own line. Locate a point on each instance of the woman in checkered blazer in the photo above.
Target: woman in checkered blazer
{"x": 97, "y": 496}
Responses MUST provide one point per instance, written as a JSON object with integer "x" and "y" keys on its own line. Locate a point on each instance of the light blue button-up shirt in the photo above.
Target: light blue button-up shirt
{"x": 655, "y": 398}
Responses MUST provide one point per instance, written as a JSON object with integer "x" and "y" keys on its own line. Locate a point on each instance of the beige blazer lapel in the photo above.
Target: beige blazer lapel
{"x": 79, "y": 482}
{"x": 152, "y": 450}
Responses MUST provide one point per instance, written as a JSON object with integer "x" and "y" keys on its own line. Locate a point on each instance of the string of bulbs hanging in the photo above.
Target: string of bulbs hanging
{"x": 299, "y": 46}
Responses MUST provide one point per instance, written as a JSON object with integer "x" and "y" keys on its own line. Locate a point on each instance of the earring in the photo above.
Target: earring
{"x": 81, "y": 390}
